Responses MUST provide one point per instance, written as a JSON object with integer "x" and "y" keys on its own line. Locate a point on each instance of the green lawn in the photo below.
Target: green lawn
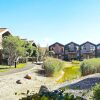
{"x": 70, "y": 72}
{"x": 4, "y": 68}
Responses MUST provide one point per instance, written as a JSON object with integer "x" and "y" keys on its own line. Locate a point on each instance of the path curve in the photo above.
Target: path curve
{"x": 12, "y": 71}
{"x": 88, "y": 80}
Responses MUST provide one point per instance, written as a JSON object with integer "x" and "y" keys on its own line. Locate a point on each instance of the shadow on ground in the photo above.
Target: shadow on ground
{"x": 5, "y": 68}
{"x": 41, "y": 72}
{"x": 85, "y": 84}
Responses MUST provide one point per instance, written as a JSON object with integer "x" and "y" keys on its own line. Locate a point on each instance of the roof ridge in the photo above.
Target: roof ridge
{"x": 3, "y": 28}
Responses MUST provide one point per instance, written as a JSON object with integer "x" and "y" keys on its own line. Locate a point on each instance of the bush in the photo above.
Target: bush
{"x": 5, "y": 61}
{"x": 31, "y": 59}
{"x": 55, "y": 95}
{"x": 52, "y": 65}
{"x": 23, "y": 60}
{"x": 96, "y": 92}
{"x": 90, "y": 66}
{"x": 75, "y": 62}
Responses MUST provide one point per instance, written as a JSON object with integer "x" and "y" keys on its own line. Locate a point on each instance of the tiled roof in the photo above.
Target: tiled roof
{"x": 72, "y": 43}
{"x": 57, "y": 43}
{"x": 2, "y": 29}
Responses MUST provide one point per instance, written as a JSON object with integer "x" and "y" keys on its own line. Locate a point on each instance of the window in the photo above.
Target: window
{"x": 61, "y": 50}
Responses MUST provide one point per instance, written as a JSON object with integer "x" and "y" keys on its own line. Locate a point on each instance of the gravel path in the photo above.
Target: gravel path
{"x": 81, "y": 87}
{"x": 9, "y": 87}
{"x": 83, "y": 83}
{"x": 11, "y": 71}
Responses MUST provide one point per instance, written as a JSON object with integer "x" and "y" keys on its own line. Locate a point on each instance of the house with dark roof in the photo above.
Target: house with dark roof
{"x": 71, "y": 51}
{"x": 75, "y": 51}
{"x": 98, "y": 50}
{"x": 87, "y": 50}
{"x": 58, "y": 49}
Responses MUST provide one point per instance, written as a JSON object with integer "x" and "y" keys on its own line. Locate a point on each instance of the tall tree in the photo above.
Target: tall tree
{"x": 13, "y": 47}
{"x": 29, "y": 49}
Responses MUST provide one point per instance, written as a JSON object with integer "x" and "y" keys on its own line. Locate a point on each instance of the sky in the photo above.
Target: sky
{"x": 49, "y": 21}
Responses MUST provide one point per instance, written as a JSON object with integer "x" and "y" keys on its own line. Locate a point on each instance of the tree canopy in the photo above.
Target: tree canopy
{"x": 14, "y": 47}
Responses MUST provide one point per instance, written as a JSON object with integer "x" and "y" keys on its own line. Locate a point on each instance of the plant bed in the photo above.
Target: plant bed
{"x": 90, "y": 66}
{"x": 70, "y": 73}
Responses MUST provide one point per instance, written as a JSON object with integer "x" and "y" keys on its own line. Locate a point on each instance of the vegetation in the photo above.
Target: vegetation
{"x": 53, "y": 66}
{"x": 14, "y": 47}
{"x": 29, "y": 49}
{"x": 4, "y": 68}
{"x": 20, "y": 65}
{"x": 40, "y": 53}
{"x": 75, "y": 62}
{"x": 96, "y": 92}
{"x": 22, "y": 60}
{"x": 55, "y": 95}
{"x": 51, "y": 53}
{"x": 90, "y": 66}
{"x": 70, "y": 73}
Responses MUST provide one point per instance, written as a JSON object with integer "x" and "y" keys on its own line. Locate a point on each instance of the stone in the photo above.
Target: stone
{"x": 28, "y": 91}
{"x": 18, "y": 82}
{"x": 43, "y": 89}
{"x": 28, "y": 76}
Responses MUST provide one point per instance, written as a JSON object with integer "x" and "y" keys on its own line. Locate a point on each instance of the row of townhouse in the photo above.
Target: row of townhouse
{"x": 5, "y": 32}
{"x": 75, "y": 51}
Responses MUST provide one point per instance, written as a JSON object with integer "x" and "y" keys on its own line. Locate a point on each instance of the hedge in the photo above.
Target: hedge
{"x": 52, "y": 65}
{"x": 90, "y": 66}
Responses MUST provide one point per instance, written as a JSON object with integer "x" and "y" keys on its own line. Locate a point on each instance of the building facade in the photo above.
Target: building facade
{"x": 87, "y": 50}
{"x": 74, "y": 51}
{"x": 58, "y": 50}
{"x": 5, "y": 32}
{"x": 71, "y": 51}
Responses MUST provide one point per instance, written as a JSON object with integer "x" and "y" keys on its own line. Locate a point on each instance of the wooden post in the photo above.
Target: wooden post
{"x": 15, "y": 64}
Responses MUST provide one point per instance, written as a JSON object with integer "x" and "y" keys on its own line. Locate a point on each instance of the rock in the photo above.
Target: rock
{"x": 18, "y": 82}
{"x": 23, "y": 93}
{"x": 28, "y": 76}
{"x": 43, "y": 89}
{"x": 15, "y": 93}
{"x": 28, "y": 91}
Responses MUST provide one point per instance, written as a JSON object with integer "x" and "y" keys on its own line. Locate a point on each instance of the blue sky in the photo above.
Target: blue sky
{"x": 48, "y": 21}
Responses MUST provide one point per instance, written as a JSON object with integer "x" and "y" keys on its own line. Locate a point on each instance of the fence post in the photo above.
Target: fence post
{"x": 15, "y": 64}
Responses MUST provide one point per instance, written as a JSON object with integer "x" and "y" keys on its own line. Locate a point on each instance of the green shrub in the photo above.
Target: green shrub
{"x": 52, "y": 65}
{"x": 31, "y": 59}
{"x": 75, "y": 62}
{"x": 96, "y": 92}
{"x": 90, "y": 66}
{"x": 23, "y": 60}
{"x": 55, "y": 95}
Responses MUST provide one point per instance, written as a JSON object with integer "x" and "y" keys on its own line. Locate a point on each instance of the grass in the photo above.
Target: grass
{"x": 52, "y": 66}
{"x": 21, "y": 65}
{"x": 70, "y": 72}
{"x": 90, "y": 66}
{"x": 4, "y": 68}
